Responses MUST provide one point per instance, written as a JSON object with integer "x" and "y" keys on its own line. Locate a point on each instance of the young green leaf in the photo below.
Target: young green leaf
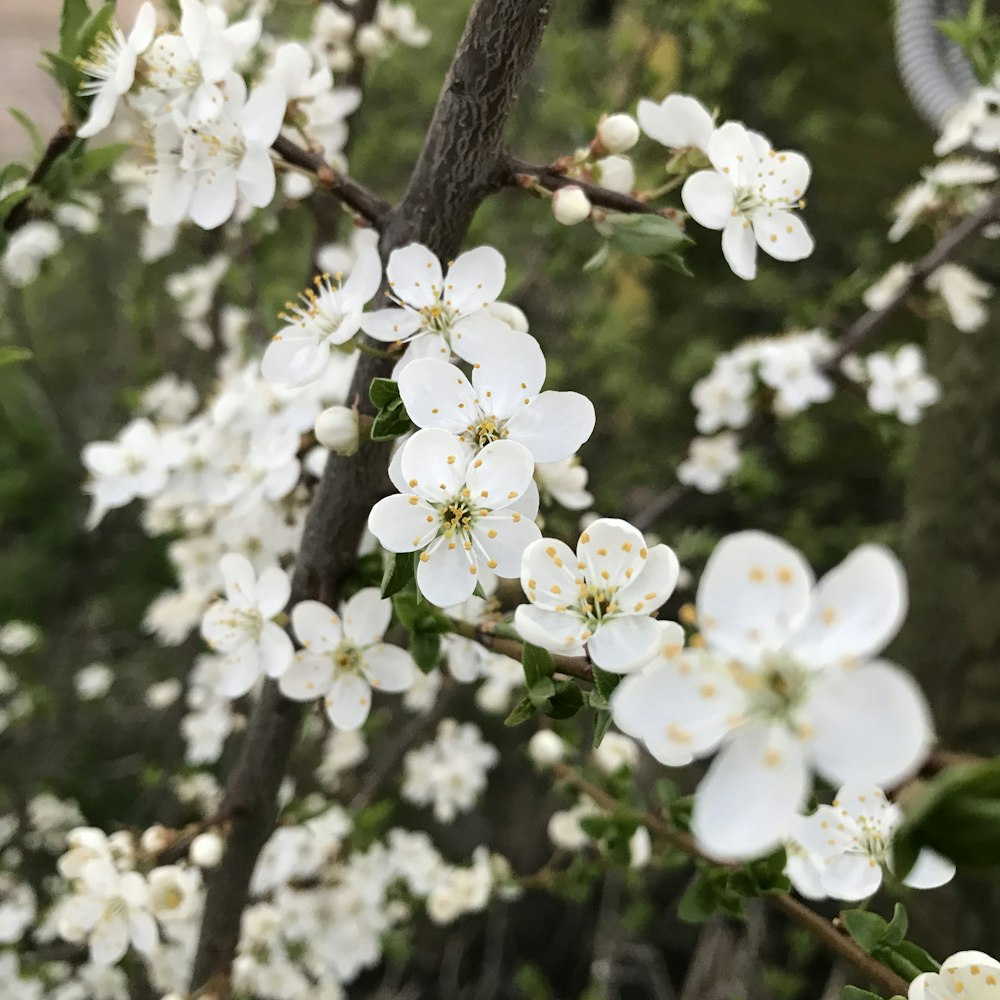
{"x": 399, "y": 569}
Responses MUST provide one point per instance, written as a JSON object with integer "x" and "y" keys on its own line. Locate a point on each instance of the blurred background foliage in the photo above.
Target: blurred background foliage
{"x": 633, "y": 336}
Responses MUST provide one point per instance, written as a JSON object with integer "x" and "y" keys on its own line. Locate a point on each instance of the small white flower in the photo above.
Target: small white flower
{"x": 975, "y": 122}
{"x": 966, "y": 975}
{"x": 618, "y": 133}
{"x": 711, "y": 462}
{"x": 879, "y": 295}
{"x": 163, "y": 694}
{"x": 722, "y": 398}
{"x": 615, "y": 752}
{"x": 785, "y": 684}
{"x": 467, "y": 514}
{"x": 436, "y": 315}
{"x": 343, "y": 657}
{"x": 337, "y": 429}
{"x": 964, "y": 295}
{"x": 93, "y": 681}
{"x": 565, "y": 482}
{"x": 750, "y": 195}
{"x": 616, "y": 173}
{"x": 111, "y": 66}
{"x": 852, "y": 841}
{"x": 18, "y": 637}
{"x": 240, "y": 627}
{"x": 546, "y": 748}
{"x": 503, "y": 401}
{"x": 206, "y": 850}
{"x": 570, "y": 205}
{"x": 26, "y": 250}
{"x": 677, "y": 122}
{"x": 174, "y": 893}
{"x": 600, "y": 597}
{"x": 328, "y": 316}
{"x": 790, "y": 367}
{"x": 899, "y": 384}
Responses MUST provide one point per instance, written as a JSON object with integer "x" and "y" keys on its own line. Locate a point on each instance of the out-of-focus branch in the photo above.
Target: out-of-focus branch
{"x": 60, "y": 142}
{"x": 513, "y": 172}
{"x": 857, "y": 334}
{"x": 355, "y": 196}
{"x": 824, "y": 930}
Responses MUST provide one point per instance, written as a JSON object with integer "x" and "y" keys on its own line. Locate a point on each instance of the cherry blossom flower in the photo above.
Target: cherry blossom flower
{"x": 600, "y": 598}
{"x": 851, "y": 841}
{"x": 565, "y": 482}
{"x": 964, "y": 295}
{"x": 677, "y": 122}
{"x": 343, "y": 657}
{"x": 785, "y": 684}
{"x": 966, "y": 975}
{"x": 467, "y": 514}
{"x": 111, "y": 66}
{"x": 899, "y": 384}
{"x": 502, "y": 401}
{"x": 437, "y": 315}
{"x": 750, "y": 195}
{"x": 328, "y": 316}
{"x": 711, "y": 462}
{"x": 975, "y": 122}
{"x": 241, "y": 626}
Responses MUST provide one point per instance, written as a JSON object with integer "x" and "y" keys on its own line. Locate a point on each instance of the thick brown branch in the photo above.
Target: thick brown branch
{"x": 857, "y": 334}
{"x": 461, "y": 152}
{"x": 64, "y": 137}
{"x": 517, "y": 173}
{"x": 355, "y": 196}
{"x": 820, "y": 927}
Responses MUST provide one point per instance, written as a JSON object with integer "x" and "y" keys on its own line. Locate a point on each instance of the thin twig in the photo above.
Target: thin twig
{"x": 60, "y": 142}
{"x": 572, "y": 666}
{"x": 355, "y": 196}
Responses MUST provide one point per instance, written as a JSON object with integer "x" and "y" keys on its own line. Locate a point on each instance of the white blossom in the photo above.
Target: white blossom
{"x": 570, "y": 205}
{"x": 966, "y": 975}
{"x": 711, "y": 462}
{"x": 900, "y": 385}
{"x": 964, "y": 295}
{"x": 678, "y": 122}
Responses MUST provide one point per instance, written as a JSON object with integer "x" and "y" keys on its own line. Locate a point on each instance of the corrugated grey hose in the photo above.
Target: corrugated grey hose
{"x": 934, "y": 70}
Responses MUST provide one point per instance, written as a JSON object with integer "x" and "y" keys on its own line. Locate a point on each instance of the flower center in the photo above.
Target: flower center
{"x": 317, "y": 307}
{"x": 457, "y": 515}
{"x": 346, "y": 659}
{"x": 438, "y": 317}
{"x": 597, "y": 604}
{"x": 777, "y": 691}
{"x": 488, "y": 429}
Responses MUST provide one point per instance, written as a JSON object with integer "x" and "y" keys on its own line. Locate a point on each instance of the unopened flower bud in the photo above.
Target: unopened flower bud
{"x": 206, "y": 850}
{"x": 546, "y": 748}
{"x": 570, "y": 205}
{"x": 156, "y": 839}
{"x": 337, "y": 429}
{"x": 618, "y": 133}
{"x": 617, "y": 174}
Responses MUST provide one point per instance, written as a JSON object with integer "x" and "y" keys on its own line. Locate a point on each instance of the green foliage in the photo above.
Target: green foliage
{"x": 392, "y": 420}
{"x": 13, "y": 355}
{"x": 556, "y": 699}
{"x": 978, "y": 35}
{"x": 661, "y": 240}
{"x": 886, "y": 940}
{"x": 79, "y": 30}
{"x": 956, "y": 814}
{"x": 726, "y": 890}
{"x": 398, "y": 573}
{"x": 425, "y": 623}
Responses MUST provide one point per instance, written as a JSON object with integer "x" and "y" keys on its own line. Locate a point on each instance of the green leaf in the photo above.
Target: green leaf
{"x": 602, "y": 720}
{"x": 65, "y": 74}
{"x": 12, "y": 355}
{"x": 916, "y": 956}
{"x": 856, "y": 993}
{"x": 540, "y": 692}
{"x": 537, "y": 663}
{"x": 895, "y": 932}
{"x": 650, "y": 236}
{"x": 12, "y": 200}
{"x": 37, "y": 142}
{"x": 74, "y": 16}
{"x": 419, "y": 616}
{"x": 520, "y": 713}
{"x": 605, "y": 683}
{"x": 566, "y": 702}
{"x": 399, "y": 569}
{"x": 392, "y": 422}
{"x": 383, "y": 392}
{"x": 97, "y": 161}
{"x": 868, "y": 929}
{"x": 425, "y": 648}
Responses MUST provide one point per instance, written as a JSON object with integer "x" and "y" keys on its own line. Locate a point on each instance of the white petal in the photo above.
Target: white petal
{"x": 109, "y": 940}
{"x": 782, "y": 235}
{"x": 434, "y": 464}
{"x": 613, "y": 552}
{"x": 276, "y": 650}
{"x": 401, "y": 525}
{"x": 102, "y": 110}
{"x": 256, "y": 177}
{"x": 499, "y": 474}
{"x": 310, "y": 676}
{"x": 475, "y": 335}
{"x": 654, "y": 584}
{"x": 856, "y": 609}
{"x": 365, "y": 278}
{"x": 143, "y": 28}
{"x": 786, "y": 176}
{"x": 388, "y": 668}
{"x": 437, "y": 394}
{"x": 930, "y": 871}
{"x": 851, "y": 877}
{"x": 214, "y": 198}
{"x": 349, "y": 702}
{"x": 754, "y": 593}
{"x": 262, "y": 115}
{"x": 502, "y": 538}
{"x": 294, "y": 358}
{"x": 732, "y": 153}
{"x": 475, "y": 279}
{"x": 870, "y": 725}
{"x": 223, "y": 627}
{"x": 447, "y": 576}
{"x": 316, "y": 626}
{"x": 745, "y": 804}
{"x": 740, "y": 248}
{"x": 414, "y": 275}
{"x": 677, "y": 122}
{"x": 389, "y": 325}
{"x": 558, "y": 631}
{"x": 143, "y": 931}
{"x": 240, "y": 580}
{"x": 241, "y": 670}
{"x": 549, "y": 574}
{"x": 272, "y": 591}
{"x": 553, "y": 425}
{"x": 708, "y": 198}
{"x": 510, "y": 369}
{"x": 366, "y": 616}
{"x": 423, "y": 345}
{"x": 624, "y": 644}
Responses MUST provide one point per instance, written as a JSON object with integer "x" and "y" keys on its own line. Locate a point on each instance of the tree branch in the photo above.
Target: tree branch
{"x": 572, "y": 666}
{"x": 858, "y": 333}
{"x": 517, "y": 173}
{"x": 822, "y": 929}
{"x": 355, "y": 196}
{"x": 453, "y": 174}
{"x": 60, "y": 142}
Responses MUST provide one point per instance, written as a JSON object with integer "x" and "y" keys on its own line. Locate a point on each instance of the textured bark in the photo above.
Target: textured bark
{"x": 461, "y": 154}
{"x": 952, "y": 553}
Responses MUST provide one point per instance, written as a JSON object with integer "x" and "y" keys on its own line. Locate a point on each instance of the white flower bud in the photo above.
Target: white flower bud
{"x": 156, "y": 839}
{"x": 617, "y": 174}
{"x": 370, "y": 40}
{"x": 570, "y": 205}
{"x": 618, "y": 133}
{"x": 206, "y": 850}
{"x": 337, "y": 429}
{"x": 640, "y": 848}
{"x": 546, "y": 748}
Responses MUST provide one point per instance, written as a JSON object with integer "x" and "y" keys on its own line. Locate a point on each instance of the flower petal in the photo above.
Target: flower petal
{"x": 348, "y": 702}
{"x": 400, "y": 525}
{"x": 549, "y": 574}
{"x": 930, "y": 870}
{"x": 414, "y": 275}
{"x": 475, "y": 279}
{"x": 851, "y": 877}
{"x": 558, "y": 631}
{"x": 240, "y": 580}
{"x": 654, "y": 584}
{"x": 272, "y": 591}
{"x": 434, "y": 464}
{"x": 309, "y": 677}
{"x": 317, "y": 627}
{"x": 366, "y": 616}
{"x": 499, "y": 474}
{"x": 677, "y": 122}
{"x": 732, "y": 153}
{"x": 388, "y": 668}
{"x": 509, "y": 370}
{"x": 782, "y": 235}
{"x": 390, "y": 325}
{"x": 553, "y": 425}
{"x": 447, "y": 575}
{"x": 612, "y": 552}
{"x": 708, "y": 197}
{"x": 437, "y": 394}
{"x": 624, "y": 644}
{"x": 502, "y": 538}
{"x": 276, "y": 649}
{"x": 740, "y": 248}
